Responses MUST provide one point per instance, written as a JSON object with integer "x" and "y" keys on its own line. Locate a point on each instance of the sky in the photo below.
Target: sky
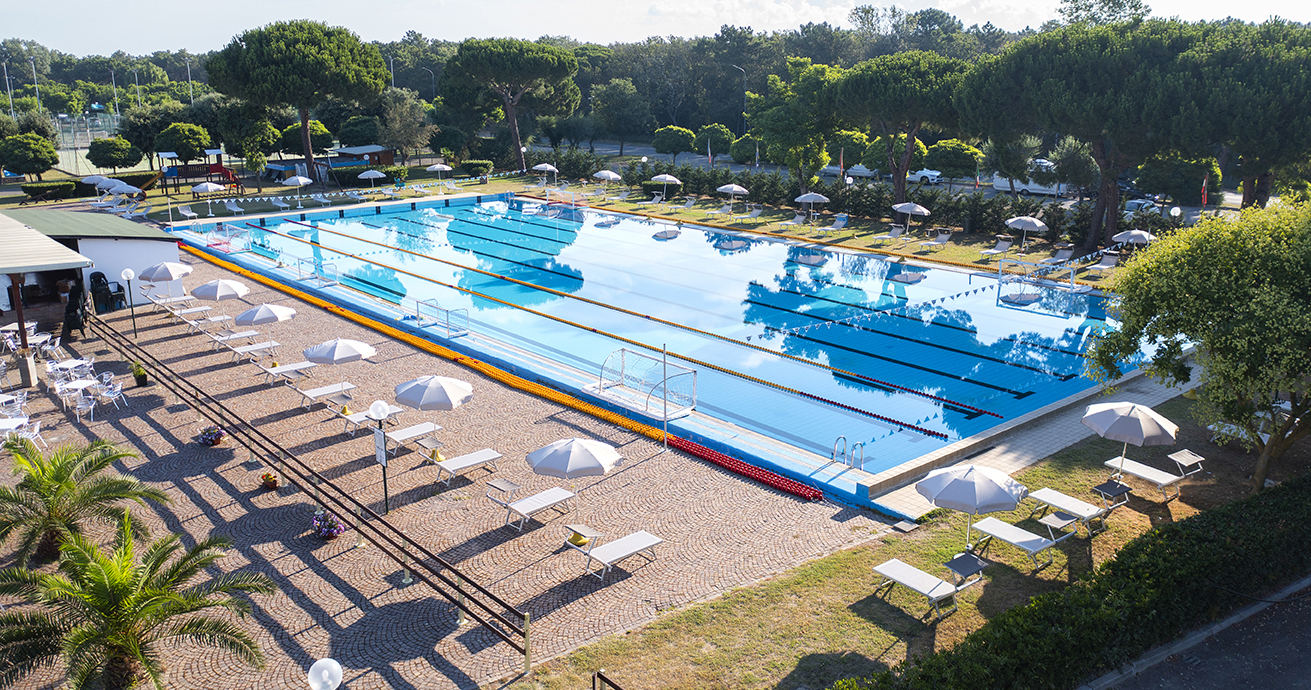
{"x": 86, "y": 27}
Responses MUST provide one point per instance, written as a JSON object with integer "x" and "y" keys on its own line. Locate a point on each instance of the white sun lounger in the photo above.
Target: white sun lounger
{"x": 189, "y": 311}
{"x": 896, "y": 572}
{"x": 1002, "y": 247}
{"x": 278, "y": 202}
{"x": 755, "y": 213}
{"x": 312, "y": 396}
{"x": 464, "y": 463}
{"x": 355, "y": 419}
{"x": 357, "y": 196}
{"x": 839, "y": 222}
{"x": 222, "y": 339}
{"x": 255, "y": 350}
{"x": 167, "y": 302}
{"x": 234, "y": 208}
{"x": 607, "y": 555}
{"x": 410, "y": 433}
{"x": 943, "y": 239}
{"x": 1072, "y": 508}
{"x": 187, "y": 213}
{"x": 798, "y": 219}
{"x": 1026, "y": 541}
{"x": 622, "y": 196}
{"x": 1162, "y": 479}
{"x": 1061, "y": 257}
{"x": 272, "y": 374}
{"x": 893, "y": 234}
{"x": 520, "y": 511}
{"x": 1109, "y": 260}
{"x": 656, "y": 199}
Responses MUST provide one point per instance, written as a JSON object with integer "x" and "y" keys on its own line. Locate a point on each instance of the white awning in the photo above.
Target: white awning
{"x": 24, "y": 250}
{"x": 213, "y": 152}
{"x": 360, "y": 150}
{"x": 167, "y": 154}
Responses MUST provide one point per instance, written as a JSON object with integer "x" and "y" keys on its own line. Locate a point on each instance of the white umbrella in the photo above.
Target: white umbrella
{"x": 607, "y": 175}
{"x": 206, "y": 188}
{"x": 666, "y": 180}
{"x": 812, "y": 198}
{"x": 218, "y": 290}
{"x": 1130, "y": 423}
{"x": 439, "y": 168}
{"x": 911, "y": 209}
{"x": 94, "y": 179}
{"x": 371, "y": 175}
{"x": 547, "y": 168}
{"x": 732, "y": 190}
{"x": 107, "y": 182}
{"x": 297, "y": 181}
{"x": 164, "y": 272}
{"x": 124, "y": 188}
{"x": 339, "y": 351}
{"x": 574, "y": 457}
{"x": 434, "y": 393}
{"x": 265, "y": 313}
{"x": 669, "y": 234}
{"x": 971, "y": 490}
{"x": 1134, "y": 237}
{"x": 1026, "y": 223}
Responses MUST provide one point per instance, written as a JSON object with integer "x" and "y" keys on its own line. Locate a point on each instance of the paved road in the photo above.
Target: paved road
{"x": 1268, "y": 650}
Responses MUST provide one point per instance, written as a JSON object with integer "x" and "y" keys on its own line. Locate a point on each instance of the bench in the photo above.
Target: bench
{"x": 312, "y": 396}
{"x": 607, "y": 555}
{"x": 354, "y": 420}
{"x": 896, "y": 572}
{"x": 1030, "y": 543}
{"x": 463, "y": 463}
{"x": 403, "y": 436}
{"x": 1084, "y": 513}
{"x": 271, "y": 374}
{"x": 525, "y": 508}
{"x": 1162, "y": 479}
{"x": 255, "y": 350}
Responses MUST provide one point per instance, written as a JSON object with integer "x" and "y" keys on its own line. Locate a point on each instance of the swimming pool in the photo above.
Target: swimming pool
{"x": 789, "y": 341}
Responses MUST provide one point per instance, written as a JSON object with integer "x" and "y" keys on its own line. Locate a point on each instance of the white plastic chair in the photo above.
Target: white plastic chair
{"x": 113, "y": 392}
{"x": 32, "y": 432}
{"x": 86, "y": 404}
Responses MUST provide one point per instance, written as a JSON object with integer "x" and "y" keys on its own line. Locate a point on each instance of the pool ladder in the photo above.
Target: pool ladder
{"x": 848, "y": 455}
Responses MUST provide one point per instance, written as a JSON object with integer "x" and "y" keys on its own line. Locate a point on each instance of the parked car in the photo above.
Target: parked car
{"x": 924, "y": 176}
{"x": 1144, "y": 206}
{"x": 856, "y": 170}
{"x": 1026, "y": 187}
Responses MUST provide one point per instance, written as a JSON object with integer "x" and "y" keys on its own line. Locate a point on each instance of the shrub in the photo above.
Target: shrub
{"x": 113, "y": 152}
{"x": 63, "y": 189}
{"x": 669, "y": 190}
{"x": 349, "y": 176}
{"x": 477, "y": 168}
{"x": 327, "y": 526}
{"x": 1173, "y": 578}
{"x": 744, "y": 150}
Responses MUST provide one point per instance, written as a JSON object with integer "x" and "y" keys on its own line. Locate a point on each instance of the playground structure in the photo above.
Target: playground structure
{"x": 188, "y": 173}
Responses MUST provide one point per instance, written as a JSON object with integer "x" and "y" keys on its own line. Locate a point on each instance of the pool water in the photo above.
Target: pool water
{"x": 790, "y": 341}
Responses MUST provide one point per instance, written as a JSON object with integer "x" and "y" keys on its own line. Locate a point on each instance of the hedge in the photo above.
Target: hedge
{"x": 349, "y": 176}
{"x": 69, "y": 189}
{"x": 669, "y": 190}
{"x": 63, "y": 189}
{"x": 1157, "y": 587}
{"x": 476, "y": 168}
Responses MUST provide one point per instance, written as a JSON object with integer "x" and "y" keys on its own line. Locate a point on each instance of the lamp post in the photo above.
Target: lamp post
{"x": 391, "y": 61}
{"x": 127, "y": 275}
{"x": 744, "y": 99}
{"x": 137, "y": 78}
{"x": 190, "y": 88}
{"x": 35, "y": 85}
{"x": 432, "y": 78}
{"x": 1176, "y": 214}
{"x": 10, "y": 89}
{"x": 114, "y": 82}
{"x": 378, "y": 412}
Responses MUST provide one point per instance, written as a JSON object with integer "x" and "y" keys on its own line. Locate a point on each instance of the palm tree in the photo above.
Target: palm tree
{"x": 110, "y": 618}
{"x": 61, "y": 491}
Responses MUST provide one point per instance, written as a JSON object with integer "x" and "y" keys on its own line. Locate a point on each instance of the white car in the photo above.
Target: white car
{"x": 924, "y": 176}
{"x": 856, "y": 170}
{"x": 1142, "y": 206}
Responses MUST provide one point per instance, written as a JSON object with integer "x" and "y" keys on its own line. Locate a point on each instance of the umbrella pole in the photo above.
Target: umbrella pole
{"x": 969, "y": 522}
{"x": 1122, "y": 452}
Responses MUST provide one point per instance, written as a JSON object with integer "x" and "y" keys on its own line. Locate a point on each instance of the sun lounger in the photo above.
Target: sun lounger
{"x": 1109, "y": 260}
{"x": 1184, "y": 459}
{"x": 234, "y": 208}
{"x": 357, "y": 196}
{"x": 657, "y": 199}
{"x": 189, "y": 311}
{"x": 944, "y": 237}
{"x": 323, "y": 201}
{"x": 1221, "y": 430}
{"x": 187, "y": 213}
{"x": 463, "y": 463}
{"x": 167, "y": 302}
{"x": 410, "y": 433}
{"x": 798, "y": 219}
{"x": 336, "y": 390}
{"x": 893, "y": 234}
{"x": 355, "y": 419}
{"x": 1061, "y": 257}
{"x": 280, "y": 204}
{"x": 522, "y": 510}
{"x": 725, "y": 210}
{"x": 288, "y": 371}
{"x": 1026, "y": 541}
{"x": 607, "y": 555}
{"x": 124, "y": 210}
{"x": 839, "y": 222}
{"x": 199, "y": 325}
{"x": 255, "y": 350}
{"x": 622, "y": 196}
{"x": 935, "y": 589}
{"x": 222, "y": 339}
{"x": 1073, "y": 508}
{"x": 133, "y": 215}
{"x": 1002, "y": 247}
{"x": 755, "y": 213}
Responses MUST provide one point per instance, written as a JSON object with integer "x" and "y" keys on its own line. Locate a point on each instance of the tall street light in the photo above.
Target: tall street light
{"x": 114, "y": 81}
{"x": 744, "y": 99}
{"x": 433, "y": 78}
{"x": 190, "y": 88}
{"x": 137, "y": 78}
{"x": 34, "y": 84}
{"x": 127, "y": 275}
{"x": 391, "y": 60}
{"x": 10, "y": 89}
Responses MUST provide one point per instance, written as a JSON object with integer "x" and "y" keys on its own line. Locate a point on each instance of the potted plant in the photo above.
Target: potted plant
{"x": 139, "y": 373}
{"x": 327, "y": 526}
{"x": 269, "y": 480}
{"x": 212, "y": 435}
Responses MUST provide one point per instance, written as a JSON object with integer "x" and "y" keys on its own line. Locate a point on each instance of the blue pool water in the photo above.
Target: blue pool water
{"x": 902, "y": 357}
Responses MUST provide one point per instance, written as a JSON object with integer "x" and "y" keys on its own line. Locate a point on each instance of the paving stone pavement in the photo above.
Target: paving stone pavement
{"x": 720, "y": 530}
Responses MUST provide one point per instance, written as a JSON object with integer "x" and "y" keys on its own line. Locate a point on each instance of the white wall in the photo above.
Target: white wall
{"x": 111, "y": 256}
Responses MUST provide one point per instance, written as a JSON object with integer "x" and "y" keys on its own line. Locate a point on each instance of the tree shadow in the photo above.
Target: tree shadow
{"x": 822, "y": 670}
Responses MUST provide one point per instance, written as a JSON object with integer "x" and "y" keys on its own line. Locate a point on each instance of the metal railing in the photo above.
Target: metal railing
{"x": 470, "y": 598}
{"x": 600, "y": 681}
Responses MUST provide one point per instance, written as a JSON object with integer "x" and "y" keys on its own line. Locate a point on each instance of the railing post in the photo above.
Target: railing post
{"x": 359, "y": 524}
{"x": 405, "y": 562}
{"x": 527, "y": 645}
{"x": 318, "y": 503}
{"x": 459, "y": 597}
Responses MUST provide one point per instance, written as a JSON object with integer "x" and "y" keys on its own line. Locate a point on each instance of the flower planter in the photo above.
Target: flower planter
{"x": 142, "y": 379}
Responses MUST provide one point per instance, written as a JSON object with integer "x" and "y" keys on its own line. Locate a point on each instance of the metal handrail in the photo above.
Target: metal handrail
{"x": 259, "y": 443}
